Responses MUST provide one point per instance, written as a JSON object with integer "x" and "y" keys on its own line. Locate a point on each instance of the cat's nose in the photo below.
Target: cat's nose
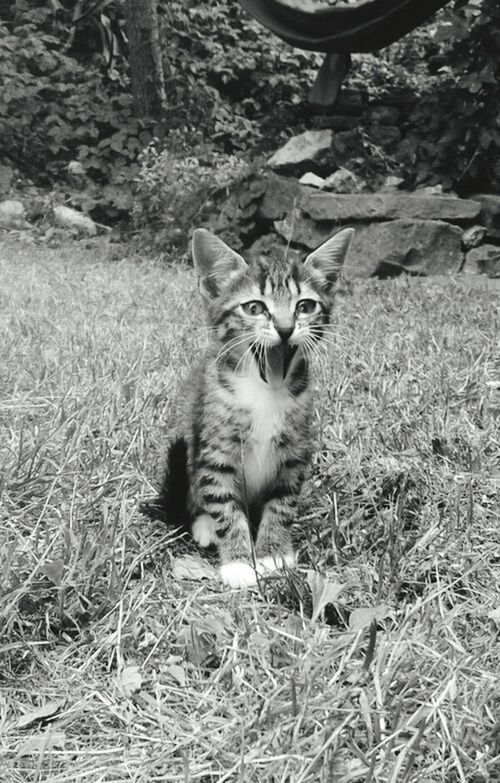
{"x": 285, "y": 332}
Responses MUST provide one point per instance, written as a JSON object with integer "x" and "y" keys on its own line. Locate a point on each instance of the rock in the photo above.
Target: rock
{"x": 75, "y": 221}
{"x": 12, "y": 214}
{"x": 267, "y": 244}
{"x": 473, "y": 236}
{"x": 350, "y": 103}
{"x": 403, "y": 97}
{"x": 303, "y": 149}
{"x": 429, "y": 190}
{"x": 6, "y": 177}
{"x": 279, "y": 197}
{"x": 490, "y": 211}
{"x": 384, "y": 135}
{"x": 283, "y": 194}
{"x": 343, "y": 181}
{"x": 338, "y": 122}
{"x": 424, "y": 247}
{"x": 391, "y": 183}
{"x": 312, "y": 180}
{"x": 483, "y": 260}
{"x": 386, "y": 206}
{"x": 384, "y": 115}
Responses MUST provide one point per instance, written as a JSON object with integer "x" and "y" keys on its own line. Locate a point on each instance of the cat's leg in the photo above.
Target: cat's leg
{"x": 220, "y": 520}
{"x": 274, "y": 547}
{"x": 204, "y": 530}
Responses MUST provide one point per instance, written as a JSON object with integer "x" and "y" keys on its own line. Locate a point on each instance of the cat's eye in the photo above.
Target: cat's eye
{"x": 254, "y": 308}
{"x": 306, "y": 307}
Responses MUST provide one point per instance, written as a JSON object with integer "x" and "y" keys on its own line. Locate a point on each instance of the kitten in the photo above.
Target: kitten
{"x": 237, "y": 474}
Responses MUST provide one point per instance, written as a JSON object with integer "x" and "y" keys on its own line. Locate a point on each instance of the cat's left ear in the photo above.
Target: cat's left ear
{"x": 215, "y": 262}
{"x": 326, "y": 261}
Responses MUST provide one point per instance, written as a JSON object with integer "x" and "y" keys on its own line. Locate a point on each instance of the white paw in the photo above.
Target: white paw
{"x": 271, "y": 563}
{"x": 203, "y": 530}
{"x": 238, "y": 574}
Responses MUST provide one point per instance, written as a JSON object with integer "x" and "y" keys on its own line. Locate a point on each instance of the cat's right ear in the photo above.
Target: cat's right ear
{"x": 215, "y": 262}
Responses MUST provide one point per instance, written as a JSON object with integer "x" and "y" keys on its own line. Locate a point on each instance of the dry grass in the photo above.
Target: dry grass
{"x": 147, "y": 677}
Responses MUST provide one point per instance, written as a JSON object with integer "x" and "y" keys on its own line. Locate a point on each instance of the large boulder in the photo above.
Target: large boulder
{"x": 302, "y": 150}
{"x": 490, "y": 212}
{"x": 12, "y": 214}
{"x": 284, "y": 194}
{"x": 423, "y": 247}
{"x": 483, "y": 260}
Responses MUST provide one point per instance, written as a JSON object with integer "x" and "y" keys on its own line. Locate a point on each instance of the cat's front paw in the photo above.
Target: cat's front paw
{"x": 203, "y": 530}
{"x": 271, "y": 563}
{"x": 238, "y": 575}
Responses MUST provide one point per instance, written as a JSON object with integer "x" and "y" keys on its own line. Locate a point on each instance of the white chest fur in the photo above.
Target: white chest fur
{"x": 269, "y": 408}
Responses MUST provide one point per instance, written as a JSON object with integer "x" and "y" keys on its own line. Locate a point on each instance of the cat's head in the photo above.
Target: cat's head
{"x": 271, "y": 301}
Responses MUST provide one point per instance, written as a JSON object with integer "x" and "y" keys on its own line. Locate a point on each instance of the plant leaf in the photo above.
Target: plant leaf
{"x": 494, "y": 614}
{"x": 45, "y": 712}
{"x": 177, "y": 673}
{"x": 54, "y": 571}
{"x": 364, "y": 616}
{"x": 40, "y": 743}
{"x": 129, "y": 680}
{"x": 323, "y": 592}
{"x": 192, "y": 567}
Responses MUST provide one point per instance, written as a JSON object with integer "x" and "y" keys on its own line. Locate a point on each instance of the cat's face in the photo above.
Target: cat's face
{"x": 271, "y": 303}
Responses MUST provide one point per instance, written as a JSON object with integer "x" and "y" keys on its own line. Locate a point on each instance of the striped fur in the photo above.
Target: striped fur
{"x": 249, "y": 442}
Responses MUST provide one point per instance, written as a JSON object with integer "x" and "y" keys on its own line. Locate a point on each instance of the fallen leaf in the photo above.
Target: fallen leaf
{"x": 494, "y": 614}
{"x": 45, "y": 712}
{"x": 323, "y": 592}
{"x": 177, "y": 673}
{"x": 259, "y": 640}
{"x": 192, "y": 567}
{"x": 365, "y": 615}
{"x": 129, "y": 680}
{"x": 40, "y": 743}
{"x": 54, "y": 571}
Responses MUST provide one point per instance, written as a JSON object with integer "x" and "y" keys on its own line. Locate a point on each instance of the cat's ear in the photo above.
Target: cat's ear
{"x": 326, "y": 261}
{"x": 215, "y": 262}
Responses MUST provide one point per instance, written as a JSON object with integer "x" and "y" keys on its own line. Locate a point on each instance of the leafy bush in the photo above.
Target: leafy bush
{"x": 232, "y": 88}
{"x": 228, "y": 77}
{"x": 54, "y": 109}
{"x": 227, "y": 83}
{"x": 175, "y": 191}
{"x": 457, "y": 126}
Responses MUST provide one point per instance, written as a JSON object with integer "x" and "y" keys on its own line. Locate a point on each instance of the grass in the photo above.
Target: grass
{"x": 376, "y": 661}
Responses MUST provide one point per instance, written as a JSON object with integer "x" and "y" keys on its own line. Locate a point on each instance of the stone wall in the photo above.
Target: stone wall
{"x": 415, "y": 232}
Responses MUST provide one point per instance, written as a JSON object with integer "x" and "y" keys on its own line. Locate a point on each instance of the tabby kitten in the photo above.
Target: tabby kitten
{"x": 249, "y": 443}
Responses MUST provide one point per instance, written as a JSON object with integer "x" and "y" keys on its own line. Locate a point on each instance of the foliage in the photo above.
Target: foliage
{"x": 460, "y": 121}
{"x": 232, "y": 88}
{"x": 54, "y": 109}
{"x": 227, "y": 84}
{"x": 228, "y": 77}
{"x": 175, "y": 190}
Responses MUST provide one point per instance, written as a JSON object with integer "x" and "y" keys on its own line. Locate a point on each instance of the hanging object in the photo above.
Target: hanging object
{"x": 361, "y": 27}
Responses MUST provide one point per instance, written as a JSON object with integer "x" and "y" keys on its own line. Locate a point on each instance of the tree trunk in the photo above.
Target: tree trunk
{"x": 146, "y": 71}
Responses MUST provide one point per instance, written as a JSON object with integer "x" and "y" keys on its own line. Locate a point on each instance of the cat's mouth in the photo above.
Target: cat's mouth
{"x": 274, "y": 362}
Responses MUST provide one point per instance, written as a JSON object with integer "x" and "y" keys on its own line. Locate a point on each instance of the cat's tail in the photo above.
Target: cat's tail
{"x": 171, "y": 505}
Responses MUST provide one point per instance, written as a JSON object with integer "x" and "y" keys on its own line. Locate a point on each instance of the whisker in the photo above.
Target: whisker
{"x": 235, "y": 342}
{"x": 244, "y": 355}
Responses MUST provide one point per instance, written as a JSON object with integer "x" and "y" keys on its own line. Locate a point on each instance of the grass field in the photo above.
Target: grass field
{"x": 378, "y": 660}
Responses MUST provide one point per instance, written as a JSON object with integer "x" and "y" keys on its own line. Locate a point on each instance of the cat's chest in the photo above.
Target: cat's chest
{"x": 268, "y": 412}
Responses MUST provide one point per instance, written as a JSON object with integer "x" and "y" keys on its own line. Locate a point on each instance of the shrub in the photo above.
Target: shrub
{"x": 227, "y": 76}
{"x": 175, "y": 191}
{"x": 54, "y": 109}
{"x": 461, "y": 121}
